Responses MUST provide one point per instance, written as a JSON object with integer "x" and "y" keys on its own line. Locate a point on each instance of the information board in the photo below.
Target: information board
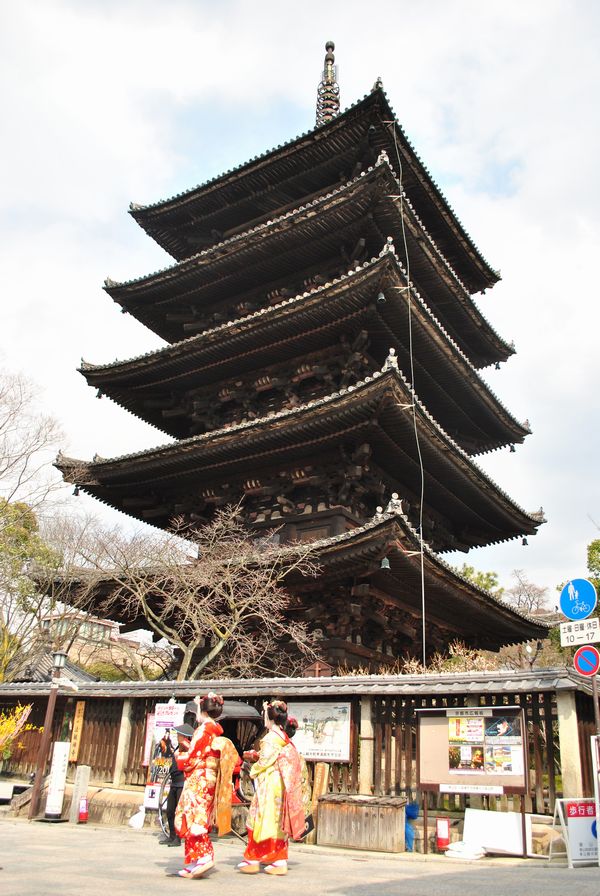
{"x": 572, "y": 634}
{"x": 478, "y": 750}
{"x": 323, "y": 730}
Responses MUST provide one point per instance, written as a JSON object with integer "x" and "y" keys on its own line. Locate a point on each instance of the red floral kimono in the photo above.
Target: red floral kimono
{"x": 276, "y": 811}
{"x": 193, "y": 818}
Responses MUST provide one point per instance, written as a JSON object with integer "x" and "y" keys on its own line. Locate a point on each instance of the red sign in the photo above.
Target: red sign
{"x": 587, "y": 660}
{"x": 581, "y": 809}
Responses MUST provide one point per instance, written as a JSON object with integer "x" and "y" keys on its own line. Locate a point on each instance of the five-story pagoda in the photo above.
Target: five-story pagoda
{"x": 323, "y": 366}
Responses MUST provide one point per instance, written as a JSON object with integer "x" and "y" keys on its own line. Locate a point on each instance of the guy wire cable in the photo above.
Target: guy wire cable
{"x": 412, "y": 383}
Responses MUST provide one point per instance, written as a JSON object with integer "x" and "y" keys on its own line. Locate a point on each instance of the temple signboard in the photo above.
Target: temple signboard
{"x": 323, "y": 733}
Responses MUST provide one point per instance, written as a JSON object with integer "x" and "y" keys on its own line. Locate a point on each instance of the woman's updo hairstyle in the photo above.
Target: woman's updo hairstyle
{"x": 212, "y": 705}
{"x": 277, "y": 712}
{"x": 291, "y": 726}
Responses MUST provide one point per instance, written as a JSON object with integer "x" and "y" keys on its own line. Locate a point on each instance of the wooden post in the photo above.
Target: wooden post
{"x": 366, "y": 754}
{"x": 568, "y": 737}
{"x": 595, "y": 699}
{"x": 123, "y": 743}
{"x": 320, "y": 788}
{"x": 44, "y": 749}
{"x": 80, "y": 787}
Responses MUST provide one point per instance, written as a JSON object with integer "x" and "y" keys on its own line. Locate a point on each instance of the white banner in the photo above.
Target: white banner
{"x": 587, "y": 631}
{"x": 58, "y": 777}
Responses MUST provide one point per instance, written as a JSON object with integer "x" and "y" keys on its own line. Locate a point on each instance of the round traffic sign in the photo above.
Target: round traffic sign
{"x": 578, "y": 599}
{"x": 586, "y": 660}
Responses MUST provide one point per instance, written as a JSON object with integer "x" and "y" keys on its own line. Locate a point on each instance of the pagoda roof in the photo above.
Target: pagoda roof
{"x": 474, "y": 613}
{"x": 447, "y": 381}
{"x": 378, "y": 410}
{"x": 453, "y": 603}
{"x": 248, "y": 263}
{"x": 307, "y": 163}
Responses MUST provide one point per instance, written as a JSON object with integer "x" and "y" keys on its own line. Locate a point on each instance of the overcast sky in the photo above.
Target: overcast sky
{"x": 108, "y": 102}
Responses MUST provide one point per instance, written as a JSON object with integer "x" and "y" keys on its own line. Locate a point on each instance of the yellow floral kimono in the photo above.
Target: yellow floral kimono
{"x": 276, "y": 810}
{"x": 265, "y": 813}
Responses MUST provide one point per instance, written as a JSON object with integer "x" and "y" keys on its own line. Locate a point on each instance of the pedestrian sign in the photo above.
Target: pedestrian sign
{"x": 572, "y": 634}
{"x": 587, "y": 660}
{"x": 578, "y": 599}
{"x": 577, "y": 818}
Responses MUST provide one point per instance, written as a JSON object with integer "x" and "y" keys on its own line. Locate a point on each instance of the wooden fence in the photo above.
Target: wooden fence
{"x": 394, "y": 730}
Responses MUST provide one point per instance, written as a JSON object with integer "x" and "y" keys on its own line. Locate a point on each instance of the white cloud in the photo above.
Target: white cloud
{"x": 111, "y": 101}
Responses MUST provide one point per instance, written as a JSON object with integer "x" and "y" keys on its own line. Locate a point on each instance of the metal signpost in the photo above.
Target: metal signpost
{"x": 578, "y": 817}
{"x": 577, "y": 600}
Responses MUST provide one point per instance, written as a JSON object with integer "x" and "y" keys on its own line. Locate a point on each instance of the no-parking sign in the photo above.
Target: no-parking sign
{"x": 587, "y": 660}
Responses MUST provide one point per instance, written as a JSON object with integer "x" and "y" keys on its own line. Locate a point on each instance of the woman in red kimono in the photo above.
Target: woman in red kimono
{"x": 200, "y": 763}
{"x": 276, "y": 811}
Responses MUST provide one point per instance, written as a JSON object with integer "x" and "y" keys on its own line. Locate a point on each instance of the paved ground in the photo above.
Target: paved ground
{"x": 39, "y": 859}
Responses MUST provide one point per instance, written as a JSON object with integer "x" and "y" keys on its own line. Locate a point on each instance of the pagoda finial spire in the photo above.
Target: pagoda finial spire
{"x": 328, "y": 91}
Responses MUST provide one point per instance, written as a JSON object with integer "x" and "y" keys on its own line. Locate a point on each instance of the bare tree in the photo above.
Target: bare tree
{"x": 526, "y": 596}
{"x": 28, "y": 441}
{"x": 217, "y": 597}
{"x": 122, "y": 658}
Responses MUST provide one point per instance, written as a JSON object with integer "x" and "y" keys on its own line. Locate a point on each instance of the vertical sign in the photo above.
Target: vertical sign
{"x": 77, "y": 731}
{"x": 149, "y": 737}
{"x": 58, "y": 777}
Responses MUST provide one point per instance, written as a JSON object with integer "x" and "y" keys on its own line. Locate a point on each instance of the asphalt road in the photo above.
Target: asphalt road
{"x": 38, "y": 859}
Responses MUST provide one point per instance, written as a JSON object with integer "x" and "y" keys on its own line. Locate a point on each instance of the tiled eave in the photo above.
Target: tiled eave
{"x": 268, "y": 252}
{"x": 318, "y": 147}
{"x": 267, "y": 336}
{"x": 337, "y": 687}
{"x": 378, "y": 409}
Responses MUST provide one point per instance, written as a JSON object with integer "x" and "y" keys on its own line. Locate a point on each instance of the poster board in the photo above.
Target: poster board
{"x": 160, "y": 734}
{"x": 324, "y": 729}
{"x": 472, "y": 750}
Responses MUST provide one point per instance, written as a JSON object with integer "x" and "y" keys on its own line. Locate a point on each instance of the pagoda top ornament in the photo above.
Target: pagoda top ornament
{"x": 328, "y": 91}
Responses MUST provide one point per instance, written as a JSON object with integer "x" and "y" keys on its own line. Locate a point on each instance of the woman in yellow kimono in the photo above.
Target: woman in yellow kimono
{"x": 200, "y": 763}
{"x": 276, "y": 809}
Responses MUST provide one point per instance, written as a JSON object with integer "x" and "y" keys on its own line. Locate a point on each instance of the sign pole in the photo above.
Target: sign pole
{"x": 596, "y": 707}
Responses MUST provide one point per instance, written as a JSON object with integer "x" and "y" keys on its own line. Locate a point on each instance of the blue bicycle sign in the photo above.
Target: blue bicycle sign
{"x": 578, "y": 599}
